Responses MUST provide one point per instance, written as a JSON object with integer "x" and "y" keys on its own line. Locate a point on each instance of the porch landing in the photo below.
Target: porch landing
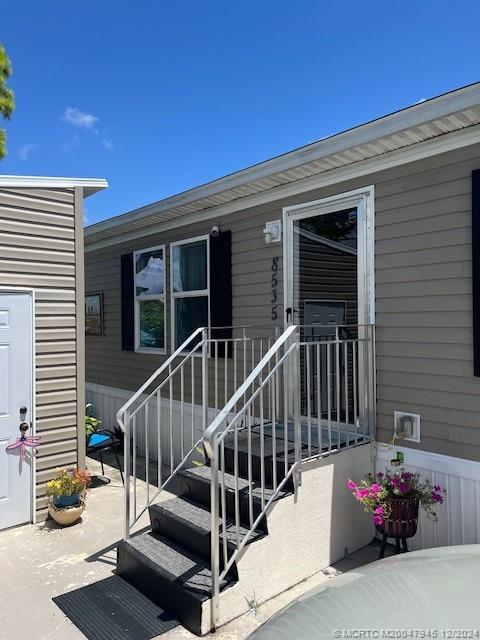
{"x": 40, "y": 562}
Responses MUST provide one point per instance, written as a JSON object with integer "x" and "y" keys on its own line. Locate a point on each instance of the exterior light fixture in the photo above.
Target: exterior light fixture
{"x": 272, "y": 232}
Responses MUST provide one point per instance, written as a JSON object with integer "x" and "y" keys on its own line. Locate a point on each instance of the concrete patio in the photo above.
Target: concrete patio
{"x": 41, "y": 561}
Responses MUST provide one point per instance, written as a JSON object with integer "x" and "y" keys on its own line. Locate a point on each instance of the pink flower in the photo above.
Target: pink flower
{"x": 375, "y": 488}
{"x": 437, "y": 488}
{"x": 351, "y": 485}
{"x": 378, "y": 520}
{"x": 436, "y": 497}
{"x": 361, "y": 493}
{"x": 407, "y": 476}
{"x": 380, "y": 474}
{"x": 379, "y": 511}
{"x": 404, "y": 487}
{"x": 395, "y": 481}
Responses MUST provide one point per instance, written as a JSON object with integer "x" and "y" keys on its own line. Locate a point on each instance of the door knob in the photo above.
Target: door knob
{"x": 24, "y": 427}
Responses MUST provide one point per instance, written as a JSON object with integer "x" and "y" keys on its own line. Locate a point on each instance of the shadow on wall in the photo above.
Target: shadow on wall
{"x": 350, "y": 527}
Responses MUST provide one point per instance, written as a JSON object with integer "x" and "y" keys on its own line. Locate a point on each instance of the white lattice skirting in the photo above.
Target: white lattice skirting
{"x": 459, "y": 518}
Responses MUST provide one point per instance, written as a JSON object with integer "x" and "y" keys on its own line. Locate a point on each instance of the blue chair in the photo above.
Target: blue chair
{"x": 104, "y": 440}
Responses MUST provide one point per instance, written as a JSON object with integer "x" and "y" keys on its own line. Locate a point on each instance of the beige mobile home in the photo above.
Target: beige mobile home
{"x": 41, "y": 336}
{"x": 296, "y": 323}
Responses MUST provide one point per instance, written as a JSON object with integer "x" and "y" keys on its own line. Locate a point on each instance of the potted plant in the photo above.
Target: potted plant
{"x": 393, "y": 498}
{"x": 66, "y": 492}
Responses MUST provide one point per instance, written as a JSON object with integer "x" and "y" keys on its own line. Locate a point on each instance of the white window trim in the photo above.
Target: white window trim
{"x": 188, "y": 294}
{"x": 364, "y": 200}
{"x": 159, "y": 296}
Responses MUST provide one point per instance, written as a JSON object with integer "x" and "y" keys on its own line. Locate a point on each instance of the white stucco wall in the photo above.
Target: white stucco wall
{"x": 306, "y": 533}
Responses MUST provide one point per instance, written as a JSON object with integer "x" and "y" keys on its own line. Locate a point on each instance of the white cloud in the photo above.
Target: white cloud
{"x": 26, "y": 150}
{"x": 88, "y": 122}
{"x": 72, "y": 144}
{"x": 107, "y": 144}
{"x": 80, "y": 119}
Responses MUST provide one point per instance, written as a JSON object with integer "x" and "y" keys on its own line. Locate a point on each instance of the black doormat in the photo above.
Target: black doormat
{"x": 112, "y": 609}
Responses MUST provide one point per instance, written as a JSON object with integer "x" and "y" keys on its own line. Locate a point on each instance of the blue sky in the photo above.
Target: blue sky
{"x": 160, "y": 96}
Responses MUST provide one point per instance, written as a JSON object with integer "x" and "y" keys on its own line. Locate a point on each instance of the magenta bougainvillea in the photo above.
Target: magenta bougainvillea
{"x": 377, "y": 491}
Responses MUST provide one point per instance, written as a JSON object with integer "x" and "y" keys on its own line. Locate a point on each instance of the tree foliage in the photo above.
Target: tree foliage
{"x": 7, "y": 98}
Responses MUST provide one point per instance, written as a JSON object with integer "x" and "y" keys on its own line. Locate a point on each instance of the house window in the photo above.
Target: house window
{"x": 190, "y": 287}
{"x": 149, "y": 283}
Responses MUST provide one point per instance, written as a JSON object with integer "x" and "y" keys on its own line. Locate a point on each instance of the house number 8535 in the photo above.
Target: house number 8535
{"x": 274, "y": 291}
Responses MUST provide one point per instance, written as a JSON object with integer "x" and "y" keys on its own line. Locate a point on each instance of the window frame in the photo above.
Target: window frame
{"x": 156, "y": 296}
{"x": 198, "y": 293}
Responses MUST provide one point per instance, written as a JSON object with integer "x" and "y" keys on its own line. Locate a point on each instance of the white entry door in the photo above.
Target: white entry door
{"x": 15, "y": 406}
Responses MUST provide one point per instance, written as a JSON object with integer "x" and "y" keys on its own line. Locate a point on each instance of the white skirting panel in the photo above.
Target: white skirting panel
{"x": 459, "y": 517}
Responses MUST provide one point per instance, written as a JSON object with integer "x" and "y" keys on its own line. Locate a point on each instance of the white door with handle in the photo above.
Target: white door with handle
{"x": 16, "y": 384}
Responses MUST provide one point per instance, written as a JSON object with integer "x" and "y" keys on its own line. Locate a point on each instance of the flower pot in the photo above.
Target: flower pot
{"x": 66, "y": 515}
{"x": 402, "y": 521}
{"x": 66, "y": 501}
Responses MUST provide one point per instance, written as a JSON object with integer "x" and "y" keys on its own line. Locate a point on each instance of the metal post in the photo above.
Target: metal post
{"x": 214, "y": 536}
{"x": 126, "y": 470}
{"x": 295, "y": 382}
{"x": 205, "y": 378}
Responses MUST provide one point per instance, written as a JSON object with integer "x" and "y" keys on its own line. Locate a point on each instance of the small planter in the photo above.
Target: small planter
{"x": 402, "y": 521}
{"x": 66, "y": 516}
{"x": 393, "y": 498}
{"x": 66, "y": 501}
{"x": 65, "y": 492}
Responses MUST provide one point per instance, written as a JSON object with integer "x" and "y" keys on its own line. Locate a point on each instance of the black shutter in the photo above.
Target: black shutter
{"x": 127, "y": 303}
{"x": 221, "y": 288}
{"x": 476, "y": 269}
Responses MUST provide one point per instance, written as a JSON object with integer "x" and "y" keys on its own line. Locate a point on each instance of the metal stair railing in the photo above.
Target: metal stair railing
{"x": 279, "y": 366}
{"x": 164, "y": 421}
{"x": 135, "y": 419}
{"x": 304, "y": 394}
{"x": 293, "y": 378}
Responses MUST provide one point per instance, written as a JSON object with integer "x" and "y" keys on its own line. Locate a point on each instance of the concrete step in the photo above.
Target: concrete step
{"x": 194, "y": 484}
{"x": 171, "y": 576}
{"x": 188, "y": 524}
{"x": 275, "y": 451}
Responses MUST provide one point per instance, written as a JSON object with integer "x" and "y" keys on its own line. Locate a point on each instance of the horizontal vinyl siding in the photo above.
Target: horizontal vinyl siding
{"x": 37, "y": 251}
{"x": 424, "y": 306}
{"x": 107, "y": 364}
{"x": 423, "y": 296}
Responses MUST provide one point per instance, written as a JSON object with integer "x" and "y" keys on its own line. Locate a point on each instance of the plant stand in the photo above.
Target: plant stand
{"x": 398, "y": 542}
{"x": 401, "y": 524}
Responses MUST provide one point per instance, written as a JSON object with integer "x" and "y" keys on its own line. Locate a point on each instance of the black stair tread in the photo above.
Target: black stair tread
{"x": 204, "y": 473}
{"x": 243, "y": 443}
{"x": 175, "y": 563}
{"x": 198, "y": 517}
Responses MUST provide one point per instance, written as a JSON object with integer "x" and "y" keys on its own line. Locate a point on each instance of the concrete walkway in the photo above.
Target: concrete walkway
{"x": 38, "y": 562}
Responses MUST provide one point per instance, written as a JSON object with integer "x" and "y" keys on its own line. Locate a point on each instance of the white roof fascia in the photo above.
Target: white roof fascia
{"x": 412, "y": 116}
{"x": 89, "y": 185}
{"x": 418, "y": 151}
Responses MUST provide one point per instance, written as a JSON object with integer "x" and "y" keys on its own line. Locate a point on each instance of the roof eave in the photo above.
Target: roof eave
{"x": 89, "y": 185}
{"x": 390, "y": 124}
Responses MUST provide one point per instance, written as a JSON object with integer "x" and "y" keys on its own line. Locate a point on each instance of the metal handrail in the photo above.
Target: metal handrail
{"x": 137, "y": 409}
{"x": 215, "y": 436}
{"x": 256, "y": 393}
{"x": 171, "y": 372}
{"x": 216, "y": 424}
{"x": 179, "y": 351}
{"x": 308, "y": 385}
